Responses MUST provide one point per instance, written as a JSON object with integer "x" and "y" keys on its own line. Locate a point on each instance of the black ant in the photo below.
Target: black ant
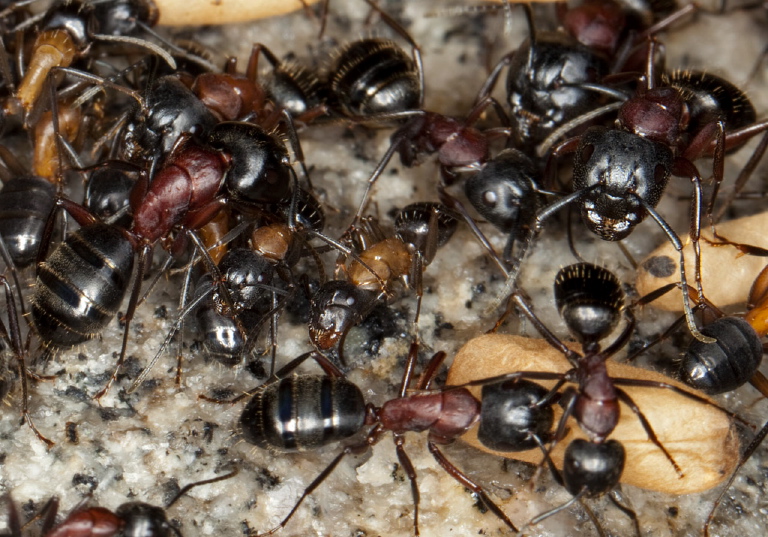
{"x": 248, "y": 274}
{"x": 733, "y": 360}
{"x": 620, "y": 174}
{"x": 240, "y": 159}
{"x": 553, "y": 77}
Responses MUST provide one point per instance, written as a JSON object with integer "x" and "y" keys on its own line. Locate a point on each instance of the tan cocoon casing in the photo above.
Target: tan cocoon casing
{"x": 726, "y": 273}
{"x": 197, "y": 12}
{"x": 701, "y": 438}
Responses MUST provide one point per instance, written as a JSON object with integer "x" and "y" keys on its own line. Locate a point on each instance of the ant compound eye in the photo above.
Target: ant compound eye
{"x": 490, "y": 199}
{"x": 586, "y": 152}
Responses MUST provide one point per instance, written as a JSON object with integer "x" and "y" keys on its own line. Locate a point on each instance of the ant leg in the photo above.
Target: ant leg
{"x": 293, "y": 139}
{"x": 429, "y": 373}
{"x": 190, "y": 486}
{"x": 616, "y": 498}
{"x": 568, "y": 399}
{"x": 594, "y": 520}
{"x": 490, "y": 83}
{"x": 453, "y": 203}
{"x": 678, "y": 245}
{"x": 511, "y": 275}
{"x": 753, "y": 445}
{"x": 686, "y": 168}
{"x": 467, "y": 483}
{"x": 14, "y": 336}
{"x": 525, "y": 307}
{"x": 744, "y": 176}
{"x": 373, "y": 437}
{"x": 14, "y": 522}
{"x": 410, "y": 471}
{"x": 395, "y": 142}
{"x": 11, "y": 266}
{"x": 627, "y": 400}
{"x": 557, "y": 509}
{"x": 178, "y": 326}
{"x": 144, "y": 259}
{"x": 328, "y": 367}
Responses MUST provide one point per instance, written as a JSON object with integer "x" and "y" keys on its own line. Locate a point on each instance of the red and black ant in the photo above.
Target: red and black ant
{"x": 131, "y": 519}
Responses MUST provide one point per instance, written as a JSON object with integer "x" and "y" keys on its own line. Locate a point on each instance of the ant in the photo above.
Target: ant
{"x": 68, "y": 29}
{"x": 732, "y": 361}
{"x": 248, "y": 274}
{"x": 706, "y": 465}
{"x": 367, "y": 80}
{"x": 420, "y": 229}
{"x": 553, "y": 77}
{"x": 620, "y": 174}
{"x": 590, "y": 301}
{"x": 131, "y": 519}
{"x": 238, "y": 158}
{"x": 298, "y": 423}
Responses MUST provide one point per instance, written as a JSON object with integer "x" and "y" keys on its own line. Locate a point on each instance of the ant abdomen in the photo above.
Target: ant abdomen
{"x": 589, "y": 298}
{"x": 711, "y": 98}
{"x": 303, "y": 412}
{"x": 511, "y": 417}
{"x": 726, "y": 364}
{"x": 81, "y": 285}
{"x": 259, "y": 171}
{"x": 375, "y": 76}
{"x": 144, "y": 520}
{"x": 25, "y": 203}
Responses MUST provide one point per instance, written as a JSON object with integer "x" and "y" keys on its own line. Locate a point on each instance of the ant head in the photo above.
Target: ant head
{"x": 545, "y": 85}
{"x": 591, "y": 467}
{"x": 336, "y": 307}
{"x": 504, "y": 191}
{"x": 143, "y": 519}
{"x": 626, "y": 173}
{"x": 590, "y": 299}
{"x": 414, "y": 225}
{"x": 121, "y": 17}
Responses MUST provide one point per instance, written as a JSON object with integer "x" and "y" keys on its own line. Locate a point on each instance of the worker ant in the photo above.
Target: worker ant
{"x": 733, "y": 360}
{"x": 380, "y": 261}
{"x": 620, "y": 174}
{"x": 69, "y": 28}
{"x": 239, "y": 159}
{"x": 590, "y": 301}
{"x": 283, "y": 415}
{"x": 554, "y": 77}
{"x": 250, "y": 274}
{"x": 134, "y": 519}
